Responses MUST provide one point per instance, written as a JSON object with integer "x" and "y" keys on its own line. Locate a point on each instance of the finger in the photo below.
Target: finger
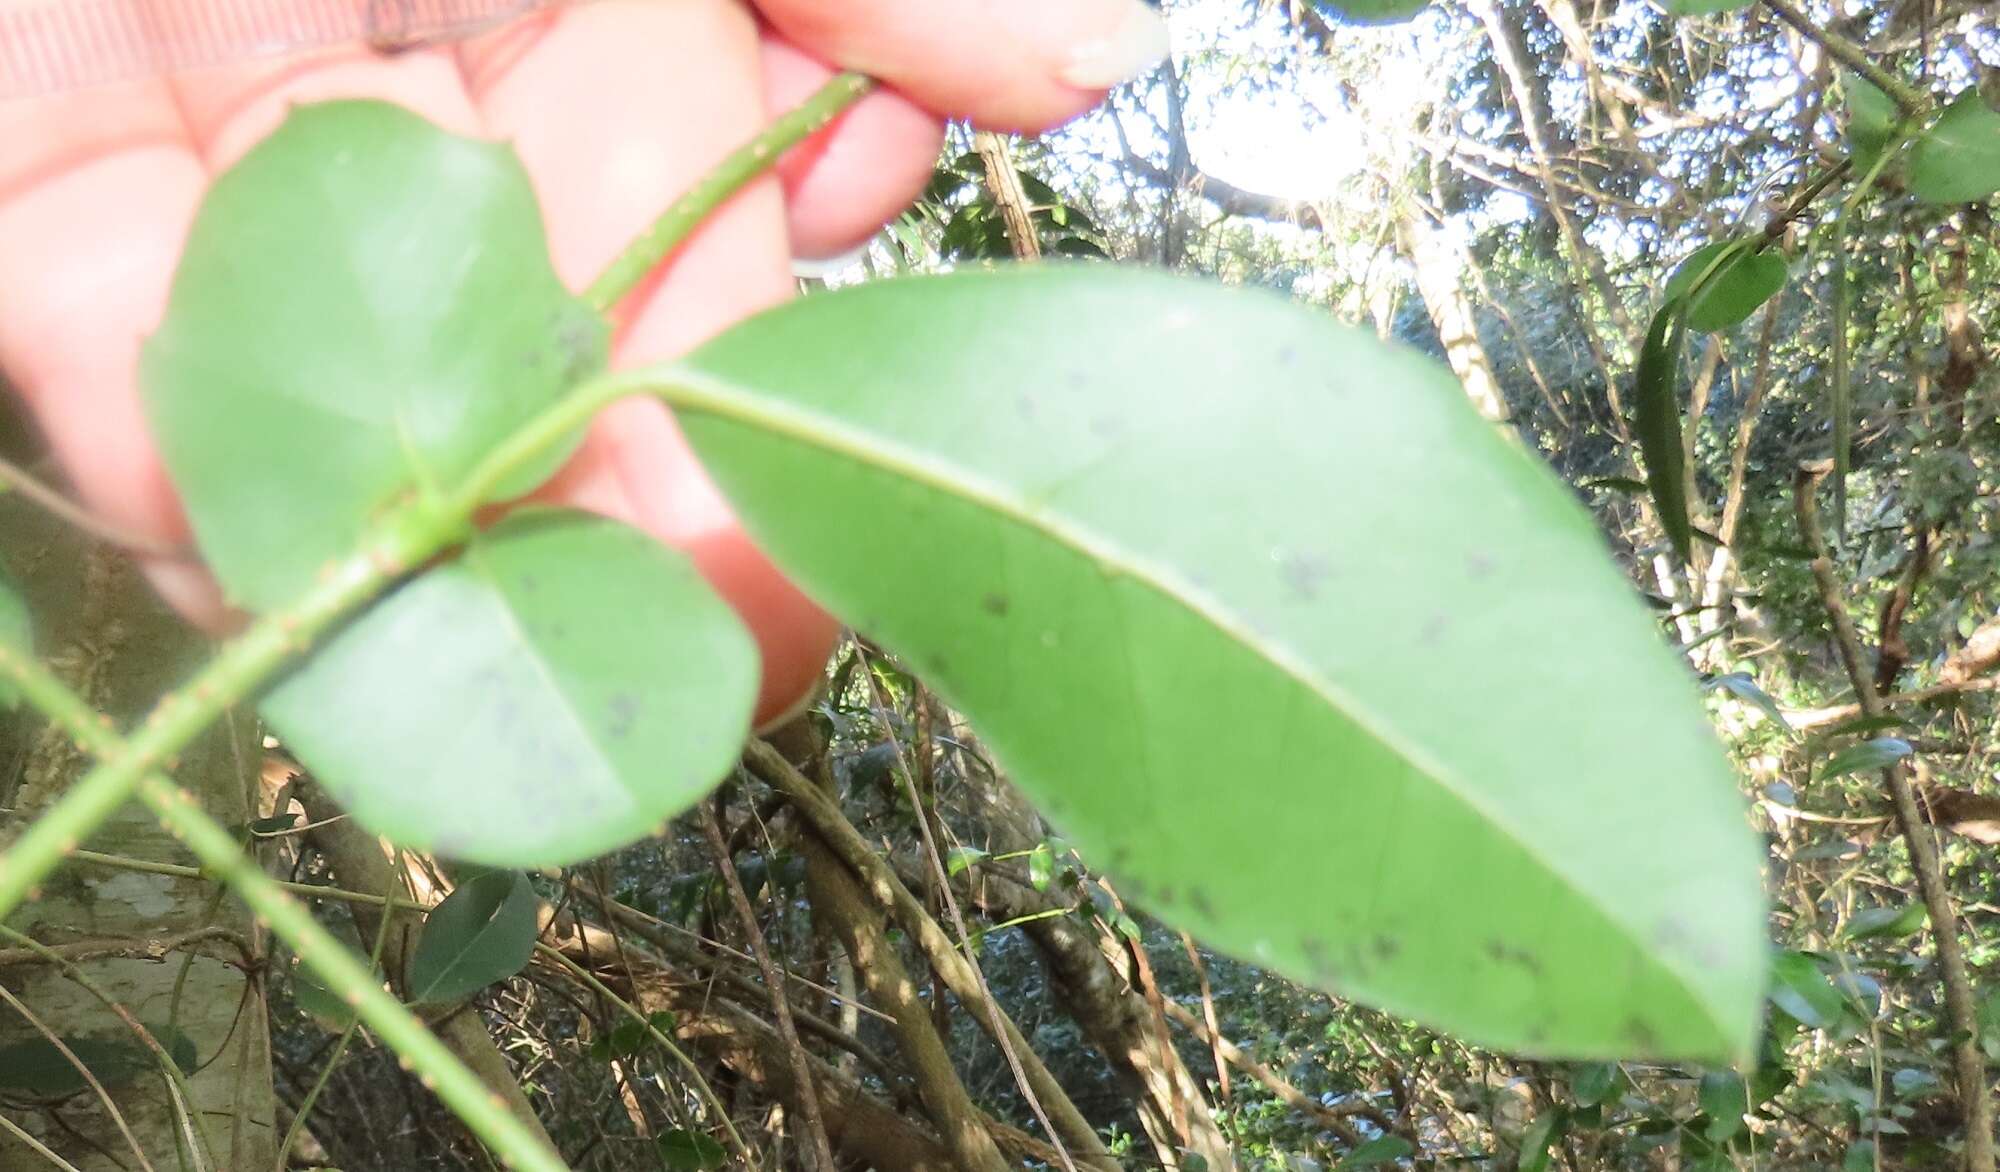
{"x": 844, "y": 183}
{"x": 97, "y": 190}
{"x": 1018, "y": 65}
{"x": 616, "y": 108}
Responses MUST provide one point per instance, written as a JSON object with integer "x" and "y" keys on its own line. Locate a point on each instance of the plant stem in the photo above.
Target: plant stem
{"x": 405, "y": 538}
{"x": 1968, "y": 1062}
{"x": 436, "y": 1067}
{"x": 731, "y": 175}
{"x": 1911, "y": 99}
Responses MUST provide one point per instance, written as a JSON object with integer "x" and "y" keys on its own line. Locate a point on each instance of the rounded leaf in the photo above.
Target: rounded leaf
{"x": 1958, "y": 159}
{"x": 1733, "y": 290}
{"x": 1275, "y": 629}
{"x": 481, "y": 934}
{"x": 558, "y": 691}
{"x": 365, "y": 306}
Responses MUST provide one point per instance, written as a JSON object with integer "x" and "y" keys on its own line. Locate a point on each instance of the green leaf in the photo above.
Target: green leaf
{"x": 16, "y": 633}
{"x": 365, "y": 306}
{"x": 1594, "y": 1083}
{"x": 689, "y": 1151}
{"x": 1740, "y": 685}
{"x": 557, "y": 692}
{"x": 1958, "y": 159}
{"x": 1376, "y": 1152}
{"x": 1624, "y": 484}
{"x": 1800, "y": 988}
{"x": 1897, "y": 922}
{"x": 35, "y": 1066}
{"x": 1041, "y": 867}
{"x": 328, "y": 1009}
{"x": 958, "y": 858}
{"x": 1876, "y": 754}
{"x": 1724, "y": 1099}
{"x": 1724, "y": 283}
{"x": 1860, "y": 1157}
{"x": 1658, "y": 423}
{"x": 1536, "y": 1141}
{"x": 1172, "y": 622}
{"x": 1370, "y": 11}
{"x": 1871, "y": 116}
{"x": 483, "y": 933}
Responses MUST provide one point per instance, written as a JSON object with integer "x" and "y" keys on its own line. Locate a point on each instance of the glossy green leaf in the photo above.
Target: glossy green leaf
{"x": 1222, "y": 590}
{"x": 1958, "y": 159}
{"x": 1871, "y": 116}
{"x": 1860, "y": 1157}
{"x": 1370, "y": 11}
{"x": 37, "y": 1067}
{"x": 958, "y": 858}
{"x": 1725, "y": 282}
{"x": 1658, "y": 423}
{"x": 1377, "y": 1152}
{"x": 483, "y": 933}
{"x": 689, "y": 1151}
{"x": 1800, "y": 988}
{"x": 1876, "y": 754}
{"x": 1894, "y": 922}
{"x": 364, "y": 307}
{"x": 1041, "y": 867}
{"x": 1594, "y": 1083}
{"x": 17, "y": 633}
{"x": 1537, "y": 1141}
{"x": 558, "y": 691}
{"x": 1723, "y": 1099}
{"x": 328, "y": 1009}
{"x": 1740, "y": 685}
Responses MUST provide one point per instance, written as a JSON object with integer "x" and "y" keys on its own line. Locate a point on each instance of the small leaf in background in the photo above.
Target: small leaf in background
{"x": 1800, "y": 988}
{"x": 1624, "y": 484}
{"x": 1704, "y": 7}
{"x": 959, "y": 858}
{"x": 1370, "y": 11}
{"x": 1740, "y": 685}
{"x": 1860, "y": 1157}
{"x": 1724, "y": 1098}
{"x": 558, "y": 691}
{"x": 1131, "y": 620}
{"x": 1958, "y": 159}
{"x": 1913, "y": 1082}
{"x": 365, "y": 305}
{"x": 1538, "y": 1140}
{"x": 1897, "y": 922}
{"x": 1377, "y": 1152}
{"x": 1743, "y": 281}
{"x": 328, "y": 1009}
{"x": 1876, "y": 754}
{"x": 16, "y": 633}
{"x": 1989, "y": 1022}
{"x": 275, "y": 824}
{"x": 1871, "y": 115}
{"x": 483, "y": 933}
{"x": 1592, "y": 1084}
{"x": 689, "y": 1151}
{"x": 1658, "y": 423}
{"x": 1041, "y": 867}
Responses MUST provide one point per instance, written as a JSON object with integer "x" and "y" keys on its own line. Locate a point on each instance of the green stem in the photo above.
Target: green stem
{"x": 437, "y": 1068}
{"x": 304, "y": 1112}
{"x": 405, "y": 538}
{"x": 731, "y": 175}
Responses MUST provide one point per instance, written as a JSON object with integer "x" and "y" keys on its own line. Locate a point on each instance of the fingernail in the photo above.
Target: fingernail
{"x": 1134, "y": 43}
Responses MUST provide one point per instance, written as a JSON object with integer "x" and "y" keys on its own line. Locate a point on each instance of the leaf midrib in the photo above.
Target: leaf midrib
{"x": 690, "y": 390}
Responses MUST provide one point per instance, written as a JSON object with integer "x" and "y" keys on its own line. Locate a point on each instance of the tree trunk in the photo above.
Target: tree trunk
{"x": 126, "y": 930}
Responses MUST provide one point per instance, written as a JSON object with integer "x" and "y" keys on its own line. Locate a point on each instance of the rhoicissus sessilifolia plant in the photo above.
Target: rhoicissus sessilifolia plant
{"x": 1271, "y": 625}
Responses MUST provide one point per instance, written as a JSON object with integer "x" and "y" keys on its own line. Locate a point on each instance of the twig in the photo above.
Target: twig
{"x": 1912, "y": 100}
{"x": 1967, "y": 1060}
{"x": 80, "y": 518}
{"x": 36, "y": 1146}
{"x": 774, "y": 984}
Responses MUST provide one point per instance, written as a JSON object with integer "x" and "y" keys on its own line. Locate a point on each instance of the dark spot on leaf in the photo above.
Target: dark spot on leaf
{"x": 1165, "y": 897}
{"x": 624, "y": 711}
{"x": 1025, "y": 406}
{"x": 1644, "y": 1041}
{"x": 530, "y": 583}
{"x": 1199, "y": 900}
{"x": 1432, "y": 630}
{"x": 1479, "y": 565}
{"x": 1288, "y": 354}
{"x": 1501, "y": 953}
{"x": 1386, "y": 947}
{"x": 995, "y": 604}
{"x": 1119, "y": 855}
{"x": 1106, "y": 429}
{"x": 1303, "y": 574}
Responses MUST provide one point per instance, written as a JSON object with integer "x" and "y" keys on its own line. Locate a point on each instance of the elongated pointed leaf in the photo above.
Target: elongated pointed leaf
{"x": 1740, "y": 685}
{"x": 1725, "y": 282}
{"x": 1958, "y": 159}
{"x": 483, "y": 933}
{"x": 365, "y": 306}
{"x": 557, "y": 692}
{"x": 1658, "y": 423}
{"x": 1275, "y": 628}
{"x": 1875, "y": 754}
{"x": 1871, "y": 115}
{"x": 1371, "y": 11}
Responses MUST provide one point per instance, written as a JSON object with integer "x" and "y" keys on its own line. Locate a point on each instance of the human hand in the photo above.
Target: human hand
{"x": 615, "y": 107}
